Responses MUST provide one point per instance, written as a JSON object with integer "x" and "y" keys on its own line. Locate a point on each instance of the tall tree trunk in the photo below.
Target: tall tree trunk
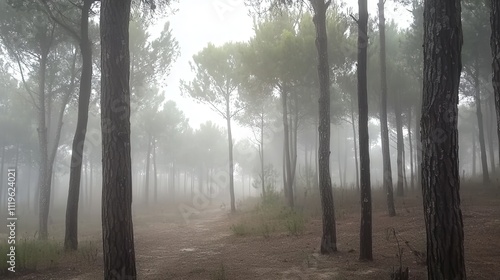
{"x": 480, "y": 124}
{"x": 474, "y": 149}
{"x": 91, "y": 183}
{"x": 283, "y": 171}
{"x": 43, "y": 175}
{"x": 148, "y": 163}
{"x": 286, "y": 135}
{"x": 231, "y": 161}
{"x": 29, "y": 182}
{"x": 400, "y": 148}
{"x": 316, "y": 160}
{"x": 365, "y": 236}
{"x": 418, "y": 117}
{"x": 495, "y": 50}
{"x": 355, "y": 144}
{"x": 261, "y": 154}
{"x": 386, "y": 156}
{"x": 491, "y": 138}
{"x": 117, "y": 228}
{"x": 71, "y": 229}
{"x": 293, "y": 152}
{"x": 173, "y": 194}
{"x": 155, "y": 174}
{"x": 341, "y": 183}
{"x": 412, "y": 176}
{"x": 306, "y": 165}
{"x": 184, "y": 182}
{"x": 329, "y": 236}
{"x": 441, "y": 181}
{"x": 52, "y": 152}
{"x": 344, "y": 179}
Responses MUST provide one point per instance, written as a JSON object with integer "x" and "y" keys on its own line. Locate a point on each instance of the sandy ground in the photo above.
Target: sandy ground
{"x": 206, "y": 248}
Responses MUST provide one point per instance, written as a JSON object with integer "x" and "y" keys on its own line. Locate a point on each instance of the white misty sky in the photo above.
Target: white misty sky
{"x": 220, "y": 21}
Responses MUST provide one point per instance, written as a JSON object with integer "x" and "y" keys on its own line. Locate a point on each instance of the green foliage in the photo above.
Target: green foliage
{"x": 150, "y": 63}
{"x": 270, "y": 216}
{"x": 31, "y": 255}
{"x": 295, "y": 223}
{"x": 218, "y": 75}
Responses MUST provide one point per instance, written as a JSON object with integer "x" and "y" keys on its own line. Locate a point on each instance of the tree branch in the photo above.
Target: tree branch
{"x": 72, "y": 32}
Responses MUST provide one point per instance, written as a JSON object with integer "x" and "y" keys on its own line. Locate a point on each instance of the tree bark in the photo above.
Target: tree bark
{"x": 400, "y": 148}
{"x": 155, "y": 174}
{"x": 365, "y": 236}
{"x": 44, "y": 189}
{"x": 480, "y": 124}
{"x": 441, "y": 181}
{"x": 341, "y": 183}
{"x": 51, "y": 153}
{"x": 71, "y": 229}
{"x": 386, "y": 156}
{"x": 261, "y": 154}
{"x": 286, "y": 134}
{"x": 148, "y": 163}
{"x": 490, "y": 128}
{"x": 495, "y": 50}
{"x": 117, "y": 228}
{"x": 474, "y": 160}
{"x": 355, "y": 144}
{"x": 231, "y": 161}
{"x": 329, "y": 236}
{"x": 418, "y": 117}
{"x": 91, "y": 165}
{"x": 412, "y": 175}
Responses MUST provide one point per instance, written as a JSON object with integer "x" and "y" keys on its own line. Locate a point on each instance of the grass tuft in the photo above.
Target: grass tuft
{"x": 31, "y": 255}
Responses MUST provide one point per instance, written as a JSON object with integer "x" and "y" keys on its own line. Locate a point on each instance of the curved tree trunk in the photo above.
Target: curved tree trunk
{"x": 329, "y": 236}
{"x": 386, "y": 156}
{"x": 365, "y": 236}
{"x": 480, "y": 124}
{"x": 490, "y": 119}
{"x": 71, "y": 230}
{"x": 441, "y": 181}
{"x": 117, "y": 228}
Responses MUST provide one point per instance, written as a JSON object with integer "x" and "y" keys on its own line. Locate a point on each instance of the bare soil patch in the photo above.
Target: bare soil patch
{"x": 207, "y": 248}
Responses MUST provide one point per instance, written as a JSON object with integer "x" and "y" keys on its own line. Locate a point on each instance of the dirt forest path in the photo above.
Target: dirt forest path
{"x": 206, "y": 248}
{"x": 161, "y": 247}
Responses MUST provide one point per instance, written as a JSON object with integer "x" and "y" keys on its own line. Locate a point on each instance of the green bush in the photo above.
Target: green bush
{"x": 31, "y": 255}
{"x": 295, "y": 223}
